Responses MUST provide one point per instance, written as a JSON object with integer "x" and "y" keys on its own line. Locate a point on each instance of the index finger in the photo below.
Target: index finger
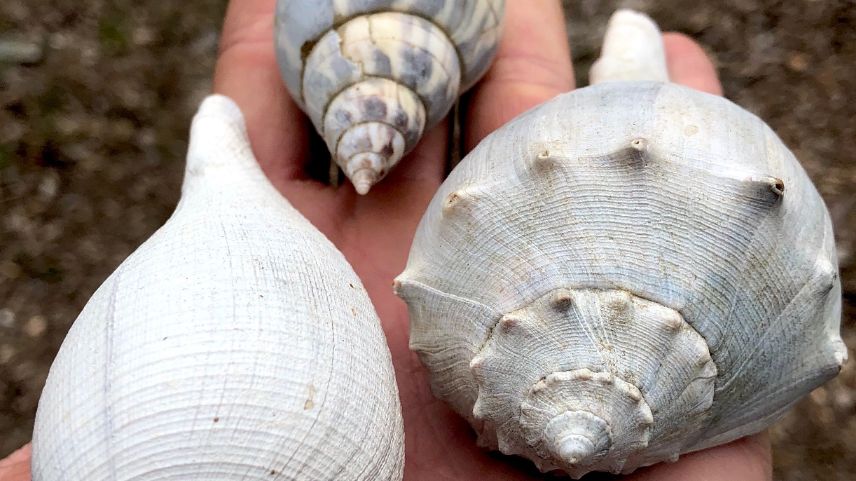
{"x": 747, "y": 459}
{"x": 16, "y": 467}
{"x": 532, "y": 65}
{"x": 247, "y": 73}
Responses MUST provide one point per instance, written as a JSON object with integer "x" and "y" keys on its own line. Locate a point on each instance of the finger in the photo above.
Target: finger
{"x": 533, "y": 64}
{"x": 746, "y": 459}
{"x": 16, "y": 467}
{"x": 247, "y": 72}
{"x": 689, "y": 65}
{"x": 423, "y": 168}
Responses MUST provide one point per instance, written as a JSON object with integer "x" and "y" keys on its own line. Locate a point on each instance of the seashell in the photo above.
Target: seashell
{"x": 235, "y": 344}
{"x": 631, "y": 271}
{"x": 373, "y": 75}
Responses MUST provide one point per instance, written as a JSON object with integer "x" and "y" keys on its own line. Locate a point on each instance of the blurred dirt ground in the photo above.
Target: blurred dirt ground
{"x": 95, "y": 102}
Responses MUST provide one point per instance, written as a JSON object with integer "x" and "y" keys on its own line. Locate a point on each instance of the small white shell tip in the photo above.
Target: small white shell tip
{"x": 363, "y": 180}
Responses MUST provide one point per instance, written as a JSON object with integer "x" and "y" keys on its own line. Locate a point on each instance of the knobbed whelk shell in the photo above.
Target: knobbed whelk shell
{"x": 373, "y": 75}
{"x": 235, "y": 344}
{"x": 629, "y": 272}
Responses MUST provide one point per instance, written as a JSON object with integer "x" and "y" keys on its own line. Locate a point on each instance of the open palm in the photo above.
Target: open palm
{"x": 375, "y": 231}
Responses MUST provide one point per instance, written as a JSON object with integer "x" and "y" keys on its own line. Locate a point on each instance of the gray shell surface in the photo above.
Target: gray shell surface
{"x": 599, "y": 296}
{"x": 398, "y": 65}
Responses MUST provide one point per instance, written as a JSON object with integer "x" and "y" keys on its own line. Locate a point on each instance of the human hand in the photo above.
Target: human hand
{"x": 375, "y": 231}
{"x": 16, "y": 467}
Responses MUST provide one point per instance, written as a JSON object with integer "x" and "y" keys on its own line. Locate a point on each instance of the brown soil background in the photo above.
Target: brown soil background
{"x": 93, "y": 134}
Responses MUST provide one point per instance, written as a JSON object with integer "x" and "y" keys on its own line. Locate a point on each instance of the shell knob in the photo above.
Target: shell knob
{"x": 597, "y": 363}
{"x": 374, "y": 76}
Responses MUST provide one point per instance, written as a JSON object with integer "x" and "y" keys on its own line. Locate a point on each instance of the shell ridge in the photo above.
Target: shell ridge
{"x": 372, "y": 38}
{"x": 230, "y": 201}
{"x": 606, "y": 363}
{"x": 338, "y": 92}
{"x": 737, "y": 290}
{"x": 626, "y": 158}
{"x": 449, "y": 39}
{"x": 711, "y": 438}
{"x": 707, "y": 441}
{"x": 588, "y": 329}
{"x": 623, "y": 387}
{"x": 362, "y": 122}
{"x": 630, "y": 156}
{"x": 464, "y": 300}
{"x": 329, "y": 378}
{"x": 363, "y": 77}
{"x": 756, "y": 345}
{"x": 627, "y": 288}
{"x": 309, "y": 45}
{"x": 109, "y": 423}
{"x": 819, "y": 364}
{"x": 489, "y": 201}
{"x": 796, "y": 294}
{"x": 385, "y": 9}
{"x": 447, "y": 295}
{"x": 760, "y": 215}
{"x": 234, "y": 316}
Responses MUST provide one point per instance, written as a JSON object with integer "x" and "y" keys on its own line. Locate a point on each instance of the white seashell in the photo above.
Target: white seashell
{"x": 632, "y": 271}
{"x": 373, "y": 75}
{"x": 235, "y": 344}
{"x": 627, "y": 52}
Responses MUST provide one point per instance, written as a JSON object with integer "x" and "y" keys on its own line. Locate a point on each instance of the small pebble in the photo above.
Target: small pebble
{"x": 844, "y": 399}
{"x": 798, "y": 62}
{"x": 7, "y": 318}
{"x": 36, "y": 326}
{"x": 49, "y": 185}
{"x": 20, "y": 52}
{"x": 6, "y": 353}
{"x": 819, "y": 396}
{"x": 10, "y": 270}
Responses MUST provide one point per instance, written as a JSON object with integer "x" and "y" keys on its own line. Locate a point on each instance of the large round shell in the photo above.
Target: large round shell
{"x": 235, "y": 344}
{"x": 629, "y": 272}
{"x": 373, "y": 75}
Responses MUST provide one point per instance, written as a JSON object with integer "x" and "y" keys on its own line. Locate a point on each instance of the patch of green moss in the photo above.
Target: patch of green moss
{"x": 113, "y": 34}
{"x": 5, "y": 156}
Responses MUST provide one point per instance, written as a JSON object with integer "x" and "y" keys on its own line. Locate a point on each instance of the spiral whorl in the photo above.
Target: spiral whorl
{"x": 576, "y": 379}
{"x": 569, "y": 418}
{"x": 577, "y": 437}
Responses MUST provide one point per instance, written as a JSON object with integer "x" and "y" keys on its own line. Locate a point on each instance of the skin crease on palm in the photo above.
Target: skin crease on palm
{"x": 374, "y": 231}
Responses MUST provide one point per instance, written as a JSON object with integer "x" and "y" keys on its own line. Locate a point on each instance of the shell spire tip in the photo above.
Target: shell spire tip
{"x": 363, "y": 180}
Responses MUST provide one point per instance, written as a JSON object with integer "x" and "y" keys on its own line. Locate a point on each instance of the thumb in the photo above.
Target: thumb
{"x": 533, "y": 64}
{"x": 16, "y": 467}
{"x": 247, "y": 72}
